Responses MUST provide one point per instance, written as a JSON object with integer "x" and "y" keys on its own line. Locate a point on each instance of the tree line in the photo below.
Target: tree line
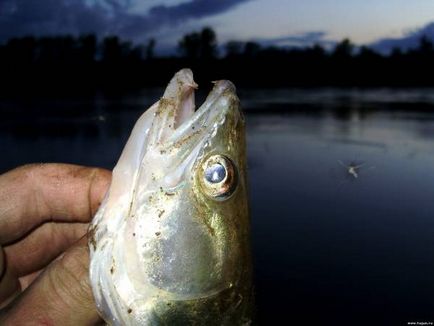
{"x": 86, "y": 62}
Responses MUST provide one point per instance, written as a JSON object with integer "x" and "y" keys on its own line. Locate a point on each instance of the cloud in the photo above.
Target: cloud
{"x": 193, "y": 9}
{"x": 299, "y": 40}
{"x": 53, "y": 17}
{"x": 409, "y": 41}
{"x": 163, "y": 15}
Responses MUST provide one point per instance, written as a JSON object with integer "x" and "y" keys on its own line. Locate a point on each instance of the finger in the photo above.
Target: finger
{"x": 2, "y": 262}
{"x": 9, "y": 285}
{"x": 33, "y": 194}
{"x": 60, "y": 296}
{"x": 41, "y": 246}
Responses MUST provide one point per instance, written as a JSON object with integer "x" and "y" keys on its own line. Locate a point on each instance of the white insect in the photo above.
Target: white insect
{"x": 352, "y": 168}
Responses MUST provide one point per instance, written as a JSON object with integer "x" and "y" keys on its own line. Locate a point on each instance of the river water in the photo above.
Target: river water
{"x": 330, "y": 247}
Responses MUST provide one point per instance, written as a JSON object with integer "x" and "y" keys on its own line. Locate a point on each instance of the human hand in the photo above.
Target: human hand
{"x": 44, "y": 210}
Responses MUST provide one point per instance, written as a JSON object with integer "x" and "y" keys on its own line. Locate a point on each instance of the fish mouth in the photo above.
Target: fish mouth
{"x": 176, "y": 120}
{"x": 217, "y": 100}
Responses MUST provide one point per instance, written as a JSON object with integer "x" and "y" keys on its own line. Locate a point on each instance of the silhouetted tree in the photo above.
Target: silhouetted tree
{"x": 270, "y": 53}
{"x": 233, "y": 48}
{"x": 208, "y": 43}
{"x": 150, "y": 49}
{"x": 111, "y": 49}
{"x": 189, "y": 45}
{"x": 77, "y": 60}
{"x": 134, "y": 54}
{"x": 396, "y": 53}
{"x": 87, "y": 48}
{"x": 57, "y": 50}
{"x": 316, "y": 52}
{"x": 251, "y": 49}
{"x": 426, "y": 46}
{"x": 423, "y": 54}
{"x": 201, "y": 45}
{"x": 343, "y": 50}
{"x": 21, "y": 50}
{"x": 366, "y": 53}
{"x": 127, "y": 49}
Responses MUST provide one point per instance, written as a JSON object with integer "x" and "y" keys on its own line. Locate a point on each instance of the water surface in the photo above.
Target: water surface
{"x": 329, "y": 248}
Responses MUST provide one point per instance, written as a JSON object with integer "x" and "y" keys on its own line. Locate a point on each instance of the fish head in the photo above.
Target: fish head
{"x": 197, "y": 181}
{"x": 174, "y": 224}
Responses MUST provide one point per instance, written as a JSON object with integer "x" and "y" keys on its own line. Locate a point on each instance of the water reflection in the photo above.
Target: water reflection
{"x": 329, "y": 248}
{"x": 338, "y": 251}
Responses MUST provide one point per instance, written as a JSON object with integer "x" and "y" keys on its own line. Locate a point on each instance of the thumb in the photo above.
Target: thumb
{"x": 60, "y": 296}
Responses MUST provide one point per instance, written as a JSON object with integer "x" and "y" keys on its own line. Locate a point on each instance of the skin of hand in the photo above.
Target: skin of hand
{"x": 44, "y": 214}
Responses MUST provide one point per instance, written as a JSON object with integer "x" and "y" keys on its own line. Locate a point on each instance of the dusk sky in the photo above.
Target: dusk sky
{"x": 285, "y": 22}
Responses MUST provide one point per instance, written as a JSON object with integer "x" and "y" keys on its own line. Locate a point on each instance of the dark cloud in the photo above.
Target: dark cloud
{"x": 174, "y": 15}
{"x": 23, "y": 17}
{"x": 299, "y": 40}
{"x": 193, "y": 9}
{"x": 52, "y": 17}
{"x": 409, "y": 41}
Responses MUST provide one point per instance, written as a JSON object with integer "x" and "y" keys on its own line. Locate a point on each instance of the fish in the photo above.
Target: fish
{"x": 170, "y": 243}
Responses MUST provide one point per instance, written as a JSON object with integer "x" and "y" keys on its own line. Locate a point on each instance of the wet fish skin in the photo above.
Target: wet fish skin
{"x": 167, "y": 246}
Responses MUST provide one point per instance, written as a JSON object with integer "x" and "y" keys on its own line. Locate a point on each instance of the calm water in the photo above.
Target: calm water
{"x": 329, "y": 248}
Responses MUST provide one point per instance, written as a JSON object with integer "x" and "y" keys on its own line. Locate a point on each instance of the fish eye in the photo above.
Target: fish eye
{"x": 219, "y": 177}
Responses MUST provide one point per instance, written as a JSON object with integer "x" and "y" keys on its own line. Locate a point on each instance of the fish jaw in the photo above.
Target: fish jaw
{"x": 157, "y": 238}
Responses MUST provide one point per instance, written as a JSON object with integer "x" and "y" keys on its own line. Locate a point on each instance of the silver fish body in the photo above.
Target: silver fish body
{"x": 170, "y": 242}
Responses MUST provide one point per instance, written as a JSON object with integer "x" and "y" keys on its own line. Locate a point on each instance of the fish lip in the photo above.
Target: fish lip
{"x": 213, "y": 110}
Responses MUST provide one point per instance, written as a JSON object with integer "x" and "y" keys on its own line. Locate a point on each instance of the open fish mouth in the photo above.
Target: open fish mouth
{"x": 176, "y": 120}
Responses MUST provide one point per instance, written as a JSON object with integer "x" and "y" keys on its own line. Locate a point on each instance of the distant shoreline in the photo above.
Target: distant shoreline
{"x": 84, "y": 65}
